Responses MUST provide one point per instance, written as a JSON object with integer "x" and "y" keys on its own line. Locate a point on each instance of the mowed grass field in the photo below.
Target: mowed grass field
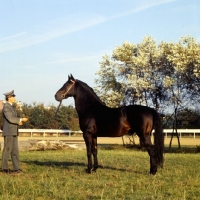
{"x": 123, "y": 174}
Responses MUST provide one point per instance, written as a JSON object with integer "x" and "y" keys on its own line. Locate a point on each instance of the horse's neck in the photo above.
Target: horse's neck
{"x": 83, "y": 101}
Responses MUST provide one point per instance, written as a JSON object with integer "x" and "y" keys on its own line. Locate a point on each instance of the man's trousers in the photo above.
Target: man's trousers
{"x": 10, "y": 149}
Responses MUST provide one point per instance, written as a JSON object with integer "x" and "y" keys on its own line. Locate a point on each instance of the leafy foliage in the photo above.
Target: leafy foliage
{"x": 42, "y": 117}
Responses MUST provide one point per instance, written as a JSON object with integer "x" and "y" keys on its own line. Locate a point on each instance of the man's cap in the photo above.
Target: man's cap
{"x": 10, "y": 94}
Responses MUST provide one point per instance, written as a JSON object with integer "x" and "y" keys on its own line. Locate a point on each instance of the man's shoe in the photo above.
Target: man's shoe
{"x": 6, "y": 171}
{"x": 18, "y": 171}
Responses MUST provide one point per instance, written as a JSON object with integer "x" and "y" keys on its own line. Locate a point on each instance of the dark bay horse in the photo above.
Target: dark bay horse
{"x": 98, "y": 120}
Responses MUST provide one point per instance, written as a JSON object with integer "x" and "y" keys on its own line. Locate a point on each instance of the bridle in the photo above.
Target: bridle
{"x": 63, "y": 96}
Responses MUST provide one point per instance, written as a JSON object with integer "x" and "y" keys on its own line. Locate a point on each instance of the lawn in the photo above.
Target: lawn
{"x": 123, "y": 174}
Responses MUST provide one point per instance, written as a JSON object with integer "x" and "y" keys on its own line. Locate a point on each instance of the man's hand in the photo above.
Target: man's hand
{"x": 20, "y": 124}
{"x": 24, "y": 119}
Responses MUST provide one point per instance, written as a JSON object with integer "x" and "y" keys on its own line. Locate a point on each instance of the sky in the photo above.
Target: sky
{"x": 43, "y": 41}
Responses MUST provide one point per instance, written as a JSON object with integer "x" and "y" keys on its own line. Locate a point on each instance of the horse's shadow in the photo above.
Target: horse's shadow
{"x": 54, "y": 163}
{"x": 67, "y": 165}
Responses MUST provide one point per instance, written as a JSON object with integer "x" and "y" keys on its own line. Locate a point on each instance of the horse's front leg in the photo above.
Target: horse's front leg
{"x": 88, "y": 141}
{"x": 94, "y": 152}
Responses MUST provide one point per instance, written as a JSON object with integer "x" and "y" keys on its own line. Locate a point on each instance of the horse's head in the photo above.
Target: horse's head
{"x": 66, "y": 90}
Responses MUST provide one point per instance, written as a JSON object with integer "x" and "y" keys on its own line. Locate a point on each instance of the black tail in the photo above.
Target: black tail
{"x": 158, "y": 139}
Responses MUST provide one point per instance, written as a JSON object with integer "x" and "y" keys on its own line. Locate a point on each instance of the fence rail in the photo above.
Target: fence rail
{"x": 183, "y": 132}
{"x": 64, "y": 132}
{"x": 45, "y": 132}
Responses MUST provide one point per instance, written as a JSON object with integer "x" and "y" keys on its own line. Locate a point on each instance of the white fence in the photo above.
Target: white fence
{"x": 46, "y": 132}
{"x": 57, "y": 132}
{"x": 183, "y": 132}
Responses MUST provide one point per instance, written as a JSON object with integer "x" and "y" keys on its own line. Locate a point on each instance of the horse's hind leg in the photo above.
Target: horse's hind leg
{"x": 151, "y": 151}
{"x": 94, "y": 152}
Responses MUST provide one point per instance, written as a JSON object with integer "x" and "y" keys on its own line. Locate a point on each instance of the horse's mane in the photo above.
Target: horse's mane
{"x": 91, "y": 91}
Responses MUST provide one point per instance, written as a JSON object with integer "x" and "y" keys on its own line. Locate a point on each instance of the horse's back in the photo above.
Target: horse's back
{"x": 116, "y": 122}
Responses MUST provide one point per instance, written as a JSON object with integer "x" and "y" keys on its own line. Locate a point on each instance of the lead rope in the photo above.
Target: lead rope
{"x": 63, "y": 96}
{"x": 57, "y": 109}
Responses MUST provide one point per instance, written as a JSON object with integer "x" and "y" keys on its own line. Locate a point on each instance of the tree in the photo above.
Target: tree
{"x": 137, "y": 74}
{"x": 184, "y": 84}
{"x": 109, "y": 88}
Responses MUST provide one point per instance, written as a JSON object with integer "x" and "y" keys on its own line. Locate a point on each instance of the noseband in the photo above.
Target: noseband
{"x": 63, "y": 96}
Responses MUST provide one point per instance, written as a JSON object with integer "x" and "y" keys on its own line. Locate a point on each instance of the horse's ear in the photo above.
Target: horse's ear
{"x": 68, "y": 77}
{"x": 72, "y": 77}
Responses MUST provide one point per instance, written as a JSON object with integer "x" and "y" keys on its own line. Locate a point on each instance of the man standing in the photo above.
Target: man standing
{"x": 10, "y": 134}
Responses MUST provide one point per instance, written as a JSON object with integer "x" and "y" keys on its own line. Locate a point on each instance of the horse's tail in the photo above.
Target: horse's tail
{"x": 158, "y": 139}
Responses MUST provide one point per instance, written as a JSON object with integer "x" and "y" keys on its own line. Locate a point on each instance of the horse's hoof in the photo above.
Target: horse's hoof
{"x": 153, "y": 173}
{"x": 94, "y": 169}
{"x": 89, "y": 171}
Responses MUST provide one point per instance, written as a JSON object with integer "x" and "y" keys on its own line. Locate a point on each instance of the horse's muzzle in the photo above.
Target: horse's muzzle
{"x": 58, "y": 97}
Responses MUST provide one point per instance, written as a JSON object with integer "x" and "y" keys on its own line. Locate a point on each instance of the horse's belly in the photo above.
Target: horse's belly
{"x": 114, "y": 132}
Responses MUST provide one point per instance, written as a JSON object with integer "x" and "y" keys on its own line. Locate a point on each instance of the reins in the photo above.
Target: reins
{"x": 63, "y": 96}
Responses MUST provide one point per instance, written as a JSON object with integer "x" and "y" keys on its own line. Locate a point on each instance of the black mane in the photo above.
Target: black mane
{"x": 90, "y": 90}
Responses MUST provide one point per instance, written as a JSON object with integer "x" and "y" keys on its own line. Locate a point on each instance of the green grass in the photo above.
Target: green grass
{"x": 123, "y": 174}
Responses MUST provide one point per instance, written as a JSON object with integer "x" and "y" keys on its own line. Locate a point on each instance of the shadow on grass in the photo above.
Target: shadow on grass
{"x": 67, "y": 165}
{"x": 183, "y": 149}
{"x": 54, "y": 163}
